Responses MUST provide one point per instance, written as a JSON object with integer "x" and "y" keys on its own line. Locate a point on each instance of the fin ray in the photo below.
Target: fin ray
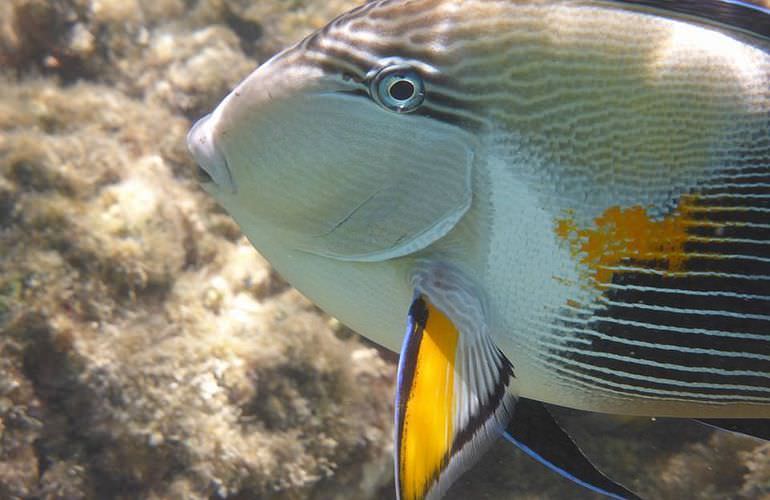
{"x": 452, "y": 399}
{"x": 733, "y": 14}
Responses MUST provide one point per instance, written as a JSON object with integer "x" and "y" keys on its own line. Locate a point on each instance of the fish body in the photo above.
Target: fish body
{"x": 585, "y": 183}
{"x": 586, "y": 121}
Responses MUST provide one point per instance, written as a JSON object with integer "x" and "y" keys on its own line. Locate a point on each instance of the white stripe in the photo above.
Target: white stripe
{"x": 738, "y": 173}
{"x": 699, "y": 293}
{"x": 711, "y": 239}
{"x": 710, "y": 274}
{"x": 652, "y": 345}
{"x": 682, "y": 329}
{"x": 562, "y": 363}
{"x": 710, "y": 184}
{"x": 724, "y": 224}
{"x": 683, "y": 311}
{"x": 745, "y": 196}
{"x": 730, "y": 208}
{"x": 703, "y": 255}
{"x": 578, "y": 378}
{"x": 670, "y": 366}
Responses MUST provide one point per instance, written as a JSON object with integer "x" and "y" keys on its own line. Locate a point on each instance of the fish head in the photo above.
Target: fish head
{"x": 331, "y": 147}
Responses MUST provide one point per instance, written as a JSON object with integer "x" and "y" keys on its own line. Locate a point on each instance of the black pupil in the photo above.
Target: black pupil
{"x": 401, "y": 90}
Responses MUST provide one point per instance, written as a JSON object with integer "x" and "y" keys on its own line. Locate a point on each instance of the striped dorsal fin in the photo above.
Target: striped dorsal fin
{"x": 731, "y": 14}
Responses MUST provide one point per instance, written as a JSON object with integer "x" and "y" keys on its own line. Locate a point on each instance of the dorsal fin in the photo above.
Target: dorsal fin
{"x": 731, "y": 14}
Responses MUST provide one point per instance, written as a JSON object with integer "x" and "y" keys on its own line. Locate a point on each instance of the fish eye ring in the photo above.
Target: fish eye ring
{"x": 398, "y": 88}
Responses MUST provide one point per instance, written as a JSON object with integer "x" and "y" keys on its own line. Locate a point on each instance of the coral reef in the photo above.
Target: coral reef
{"x": 145, "y": 344}
{"x": 146, "y": 347}
{"x": 146, "y": 350}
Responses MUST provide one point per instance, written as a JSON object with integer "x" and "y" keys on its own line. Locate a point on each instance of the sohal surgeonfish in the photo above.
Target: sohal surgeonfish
{"x": 561, "y": 202}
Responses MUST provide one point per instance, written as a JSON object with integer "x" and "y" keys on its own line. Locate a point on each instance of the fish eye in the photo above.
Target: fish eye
{"x": 398, "y": 88}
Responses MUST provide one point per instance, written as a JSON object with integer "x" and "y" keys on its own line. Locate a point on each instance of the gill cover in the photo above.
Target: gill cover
{"x": 404, "y": 187}
{"x": 348, "y": 179}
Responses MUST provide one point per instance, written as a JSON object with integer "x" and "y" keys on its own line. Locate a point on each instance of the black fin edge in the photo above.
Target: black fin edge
{"x": 753, "y": 427}
{"x": 735, "y": 14}
{"x": 534, "y": 430}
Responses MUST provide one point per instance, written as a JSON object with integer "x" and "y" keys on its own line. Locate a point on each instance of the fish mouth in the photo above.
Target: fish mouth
{"x": 212, "y": 167}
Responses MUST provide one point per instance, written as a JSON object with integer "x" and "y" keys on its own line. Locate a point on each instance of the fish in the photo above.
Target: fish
{"x": 539, "y": 203}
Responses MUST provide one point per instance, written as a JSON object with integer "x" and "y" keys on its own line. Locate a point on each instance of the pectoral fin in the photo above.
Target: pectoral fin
{"x": 535, "y": 432}
{"x": 452, "y": 398}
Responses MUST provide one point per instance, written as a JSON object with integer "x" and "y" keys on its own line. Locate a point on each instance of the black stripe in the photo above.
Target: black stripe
{"x": 679, "y": 318}
{"x": 667, "y": 379}
{"x": 417, "y": 319}
{"x": 725, "y": 213}
{"x": 333, "y": 60}
{"x": 700, "y": 283}
{"x": 671, "y": 297}
{"x": 740, "y": 16}
{"x": 731, "y": 260}
{"x": 666, "y": 353}
{"x": 743, "y": 232}
{"x": 718, "y": 263}
{"x": 732, "y": 199}
{"x": 487, "y": 411}
{"x": 603, "y": 381}
{"x": 749, "y": 187}
{"x": 726, "y": 247}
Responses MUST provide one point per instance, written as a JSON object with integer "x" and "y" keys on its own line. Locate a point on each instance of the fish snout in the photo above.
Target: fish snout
{"x": 212, "y": 164}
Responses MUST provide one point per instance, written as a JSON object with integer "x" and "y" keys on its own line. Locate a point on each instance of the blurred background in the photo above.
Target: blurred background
{"x": 147, "y": 351}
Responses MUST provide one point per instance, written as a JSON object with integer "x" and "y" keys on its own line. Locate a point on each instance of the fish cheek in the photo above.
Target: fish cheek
{"x": 396, "y": 184}
{"x": 351, "y": 180}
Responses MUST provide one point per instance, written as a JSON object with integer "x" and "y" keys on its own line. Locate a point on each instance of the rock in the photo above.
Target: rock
{"x": 147, "y": 348}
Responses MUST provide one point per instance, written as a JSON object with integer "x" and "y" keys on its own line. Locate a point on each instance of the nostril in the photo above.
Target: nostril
{"x": 212, "y": 165}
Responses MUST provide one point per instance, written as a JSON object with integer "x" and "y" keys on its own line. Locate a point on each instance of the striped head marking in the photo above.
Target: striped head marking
{"x": 336, "y": 142}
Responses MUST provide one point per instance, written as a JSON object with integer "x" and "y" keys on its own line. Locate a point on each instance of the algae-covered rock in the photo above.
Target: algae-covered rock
{"x": 147, "y": 351}
{"x": 186, "y": 55}
{"x": 757, "y": 479}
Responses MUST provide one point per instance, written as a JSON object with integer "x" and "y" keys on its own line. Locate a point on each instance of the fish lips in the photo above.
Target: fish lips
{"x": 212, "y": 164}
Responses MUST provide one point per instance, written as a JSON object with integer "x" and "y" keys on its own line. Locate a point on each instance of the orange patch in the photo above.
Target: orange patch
{"x": 620, "y": 235}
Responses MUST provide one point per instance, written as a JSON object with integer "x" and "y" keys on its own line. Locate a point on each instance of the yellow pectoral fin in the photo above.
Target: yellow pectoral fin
{"x": 440, "y": 409}
{"x": 426, "y": 425}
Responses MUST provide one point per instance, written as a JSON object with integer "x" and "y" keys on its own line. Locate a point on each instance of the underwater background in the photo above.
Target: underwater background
{"x": 147, "y": 351}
